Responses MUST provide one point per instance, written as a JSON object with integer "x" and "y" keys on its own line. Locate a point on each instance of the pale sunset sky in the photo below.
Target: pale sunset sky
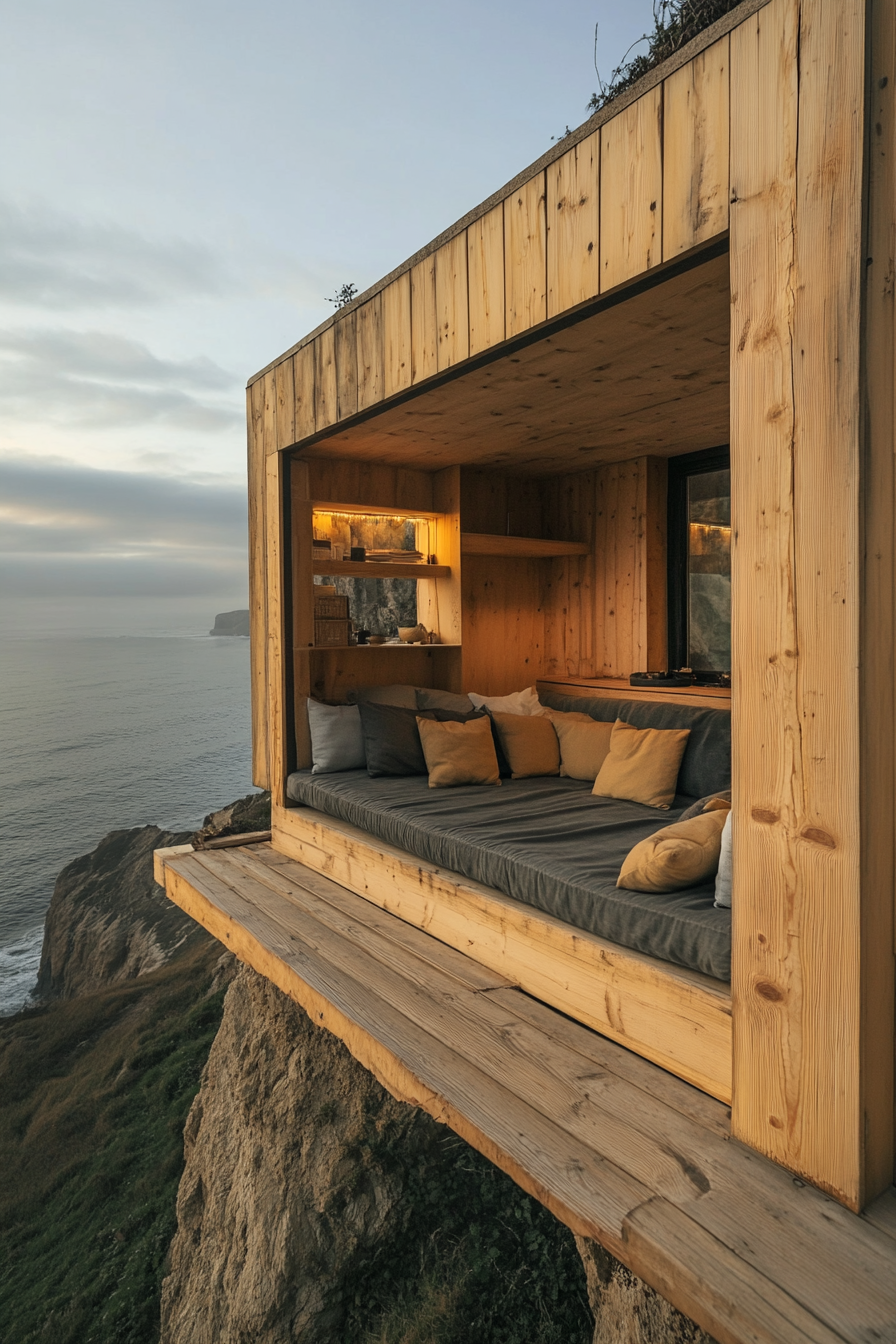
{"x": 181, "y": 186}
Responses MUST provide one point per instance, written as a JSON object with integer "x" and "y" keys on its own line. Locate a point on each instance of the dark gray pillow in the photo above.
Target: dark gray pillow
{"x": 336, "y": 739}
{"x": 696, "y": 808}
{"x": 405, "y": 697}
{"x": 392, "y": 739}
{"x": 428, "y": 698}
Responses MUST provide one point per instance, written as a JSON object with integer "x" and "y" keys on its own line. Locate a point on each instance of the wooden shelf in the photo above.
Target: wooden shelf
{"x": 372, "y": 569}
{"x": 376, "y": 648}
{"x": 531, "y": 548}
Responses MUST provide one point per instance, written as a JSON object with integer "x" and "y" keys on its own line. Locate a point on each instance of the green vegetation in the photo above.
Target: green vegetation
{"x": 95, "y": 1092}
{"x": 675, "y": 23}
{"x": 476, "y": 1260}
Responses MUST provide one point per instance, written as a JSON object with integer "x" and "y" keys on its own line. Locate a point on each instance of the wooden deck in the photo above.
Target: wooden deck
{"x": 619, "y": 1150}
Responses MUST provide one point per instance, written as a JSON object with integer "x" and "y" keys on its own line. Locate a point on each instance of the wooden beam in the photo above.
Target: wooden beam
{"x": 485, "y": 269}
{"x": 804, "y": 966}
{"x": 573, "y": 223}
{"x": 397, "y": 334}
{"x": 534, "y": 548}
{"x": 631, "y": 190}
{"x": 278, "y": 748}
{"x": 695, "y": 151}
{"x": 452, "y": 303}
{"x": 525, "y": 257}
{"x": 258, "y": 678}
{"x": 674, "y": 1017}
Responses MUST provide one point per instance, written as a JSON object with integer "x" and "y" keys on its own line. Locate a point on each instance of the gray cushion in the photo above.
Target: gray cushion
{"x": 336, "y": 740}
{"x": 696, "y": 808}
{"x": 392, "y": 743}
{"x": 403, "y": 696}
{"x": 706, "y": 766}
{"x": 428, "y": 698}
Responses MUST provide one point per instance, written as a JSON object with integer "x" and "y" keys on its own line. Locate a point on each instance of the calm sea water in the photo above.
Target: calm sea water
{"x": 97, "y": 734}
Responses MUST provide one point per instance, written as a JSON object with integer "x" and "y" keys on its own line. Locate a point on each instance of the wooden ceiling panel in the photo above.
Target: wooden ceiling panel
{"x": 649, "y": 375}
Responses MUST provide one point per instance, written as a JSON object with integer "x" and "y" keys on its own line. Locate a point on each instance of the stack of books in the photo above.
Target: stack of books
{"x": 396, "y": 557}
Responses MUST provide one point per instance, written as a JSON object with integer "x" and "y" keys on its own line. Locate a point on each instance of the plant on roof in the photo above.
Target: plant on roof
{"x": 344, "y": 295}
{"x": 675, "y": 23}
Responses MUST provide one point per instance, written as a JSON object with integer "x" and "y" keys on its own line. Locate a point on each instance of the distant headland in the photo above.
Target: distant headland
{"x": 231, "y": 623}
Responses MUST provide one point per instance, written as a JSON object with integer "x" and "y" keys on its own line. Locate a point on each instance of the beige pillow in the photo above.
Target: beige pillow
{"x": 529, "y": 743}
{"x": 678, "y": 856}
{"x": 642, "y": 765}
{"x": 459, "y": 753}
{"x": 584, "y": 744}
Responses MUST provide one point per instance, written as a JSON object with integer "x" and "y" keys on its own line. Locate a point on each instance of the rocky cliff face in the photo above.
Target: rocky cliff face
{"x": 306, "y": 1185}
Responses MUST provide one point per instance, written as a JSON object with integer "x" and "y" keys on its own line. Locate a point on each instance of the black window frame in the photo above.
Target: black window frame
{"x": 680, "y": 470}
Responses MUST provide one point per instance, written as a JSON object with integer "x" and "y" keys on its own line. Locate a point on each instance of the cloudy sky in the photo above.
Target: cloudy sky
{"x": 182, "y": 185}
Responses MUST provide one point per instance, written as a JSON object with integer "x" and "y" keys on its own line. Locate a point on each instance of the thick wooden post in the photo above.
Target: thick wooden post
{"x": 812, "y": 716}
{"x": 257, "y": 586}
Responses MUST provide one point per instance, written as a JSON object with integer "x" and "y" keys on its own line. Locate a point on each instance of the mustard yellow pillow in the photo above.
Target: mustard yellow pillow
{"x": 459, "y": 753}
{"x": 529, "y": 743}
{"x": 680, "y": 855}
{"x": 642, "y": 765}
{"x": 584, "y": 744}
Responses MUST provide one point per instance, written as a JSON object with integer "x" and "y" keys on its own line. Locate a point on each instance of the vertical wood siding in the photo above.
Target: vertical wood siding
{"x": 573, "y": 214}
{"x": 485, "y": 269}
{"x": 695, "y": 151}
{"x": 257, "y": 587}
{"x": 525, "y": 257}
{"x": 631, "y": 190}
{"x": 397, "y": 335}
{"x": 424, "y": 332}
{"x": 452, "y": 315}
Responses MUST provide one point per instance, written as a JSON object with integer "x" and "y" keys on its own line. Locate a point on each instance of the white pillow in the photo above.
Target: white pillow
{"x": 723, "y": 876}
{"x": 337, "y": 742}
{"x": 521, "y": 702}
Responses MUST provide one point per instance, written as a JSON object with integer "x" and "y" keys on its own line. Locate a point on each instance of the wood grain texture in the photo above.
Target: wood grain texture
{"x": 631, "y": 190}
{"x": 397, "y": 335}
{"x": 257, "y": 586}
{"x": 286, "y": 405}
{"x": 573, "y": 221}
{"x": 424, "y": 324}
{"x": 369, "y": 485}
{"x": 303, "y": 386}
{"x": 345, "y": 343}
{"x": 370, "y": 353}
{"x": 630, "y": 581}
{"x": 302, "y": 532}
{"x": 325, "y": 407}
{"x": 503, "y": 623}
{"x": 439, "y": 603}
{"x": 531, "y": 548}
{"x": 799, "y": 971}
{"x": 525, "y": 257}
{"x": 695, "y": 151}
{"x": 485, "y": 270}
{"x": 269, "y": 411}
{"x": 570, "y": 617}
{"x": 452, "y": 303}
{"x": 674, "y": 1017}
{"x": 334, "y": 672}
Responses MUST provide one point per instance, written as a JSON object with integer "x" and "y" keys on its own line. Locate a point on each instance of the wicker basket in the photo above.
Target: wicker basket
{"x": 331, "y": 634}
{"x": 330, "y": 608}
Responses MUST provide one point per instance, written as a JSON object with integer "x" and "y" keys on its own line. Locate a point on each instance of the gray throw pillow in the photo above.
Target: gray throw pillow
{"x": 336, "y": 739}
{"x": 392, "y": 739}
{"x": 405, "y": 697}
{"x": 428, "y": 698}
{"x": 696, "y": 808}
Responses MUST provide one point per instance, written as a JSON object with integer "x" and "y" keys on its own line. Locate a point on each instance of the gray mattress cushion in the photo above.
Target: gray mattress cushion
{"x": 545, "y": 841}
{"x": 706, "y": 767}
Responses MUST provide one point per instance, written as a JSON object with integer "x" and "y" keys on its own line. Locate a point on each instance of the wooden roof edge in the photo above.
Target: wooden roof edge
{"x": 698, "y": 44}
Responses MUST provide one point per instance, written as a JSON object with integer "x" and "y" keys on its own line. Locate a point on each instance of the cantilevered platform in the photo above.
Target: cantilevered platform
{"x": 619, "y": 1150}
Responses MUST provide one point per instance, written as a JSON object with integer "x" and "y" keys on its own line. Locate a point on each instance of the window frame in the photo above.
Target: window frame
{"x": 681, "y": 469}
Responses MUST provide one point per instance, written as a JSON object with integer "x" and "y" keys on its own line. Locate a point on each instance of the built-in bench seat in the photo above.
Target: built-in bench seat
{"x": 551, "y": 844}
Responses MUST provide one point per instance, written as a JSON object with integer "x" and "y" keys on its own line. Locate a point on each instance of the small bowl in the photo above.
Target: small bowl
{"x": 409, "y": 634}
{"x": 376, "y": 639}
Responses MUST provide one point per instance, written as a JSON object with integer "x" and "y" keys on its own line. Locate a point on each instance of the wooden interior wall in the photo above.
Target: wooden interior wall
{"x": 812, "y": 993}
{"x": 608, "y": 209}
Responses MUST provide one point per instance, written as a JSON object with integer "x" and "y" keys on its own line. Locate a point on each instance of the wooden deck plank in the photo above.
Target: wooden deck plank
{"x": 584, "y": 1190}
{"x": 617, "y": 1149}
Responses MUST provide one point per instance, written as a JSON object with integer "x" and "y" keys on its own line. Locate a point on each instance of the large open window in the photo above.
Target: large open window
{"x": 700, "y": 562}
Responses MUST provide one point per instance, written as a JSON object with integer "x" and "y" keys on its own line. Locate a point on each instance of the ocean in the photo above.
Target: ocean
{"x": 102, "y": 733}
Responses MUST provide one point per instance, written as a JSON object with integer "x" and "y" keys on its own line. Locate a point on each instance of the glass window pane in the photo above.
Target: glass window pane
{"x": 709, "y": 571}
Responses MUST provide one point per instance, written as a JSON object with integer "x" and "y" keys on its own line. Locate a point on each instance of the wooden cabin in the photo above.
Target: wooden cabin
{"x": 706, "y": 264}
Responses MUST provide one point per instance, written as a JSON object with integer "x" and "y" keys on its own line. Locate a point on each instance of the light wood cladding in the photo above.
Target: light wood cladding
{"x": 303, "y": 383}
{"x": 800, "y": 971}
{"x": 573, "y": 223}
{"x": 346, "y": 347}
{"x": 571, "y": 618}
{"x": 503, "y": 623}
{"x": 439, "y": 604}
{"x": 369, "y": 485}
{"x": 370, "y": 352}
{"x": 397, "y": 335}
{"x": 424, "y": 324}
{"x": 286, "y": 404}
{"x": 695, "y": 151}
{"x": 452, "y": 315}
{"x": 334, "y": 672}
{"x": 301, "y": 532}
{"x": 582, "y": 396}
{"x": 631, "y": 190}
{"x": 275, "y": 629}
{"x": 485, "y": 269}
{"x": 525, "y": 257}
{"x": 258, "y": 678}
{"x": 325, "y": 408}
